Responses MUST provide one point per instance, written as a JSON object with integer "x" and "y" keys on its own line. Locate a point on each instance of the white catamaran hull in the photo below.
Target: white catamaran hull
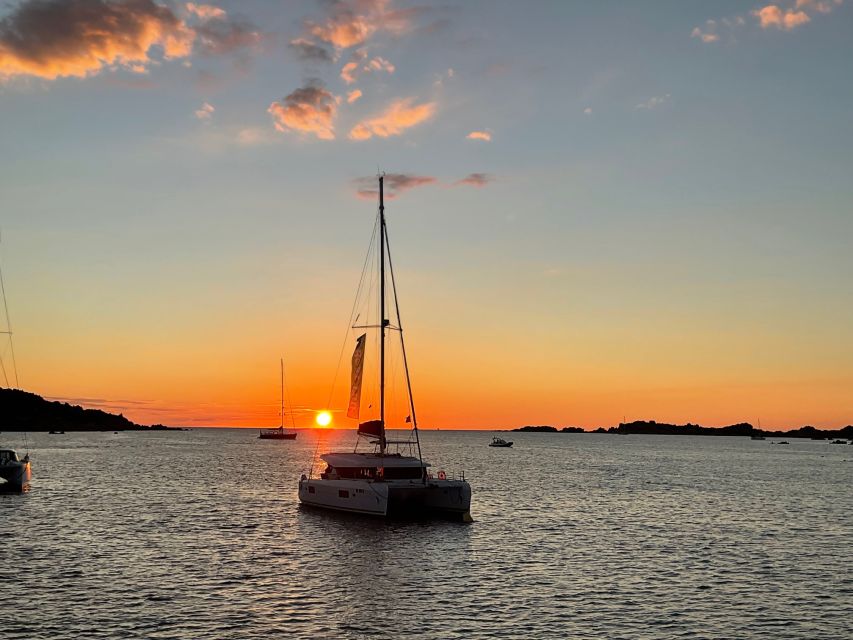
{"x": 450, "y": 498}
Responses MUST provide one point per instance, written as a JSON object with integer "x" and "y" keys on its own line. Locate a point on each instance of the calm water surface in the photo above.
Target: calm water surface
{"x": 199, "y": 535}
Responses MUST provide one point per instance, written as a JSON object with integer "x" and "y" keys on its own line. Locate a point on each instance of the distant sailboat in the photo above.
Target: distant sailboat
{"x": 280, "y": 433}
{"x": 383, "y": 482}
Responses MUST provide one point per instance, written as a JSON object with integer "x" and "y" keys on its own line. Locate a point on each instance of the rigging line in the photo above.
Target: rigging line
{"x": 354, "y": 305}
{"x": 9, "y": 329}
{"x": 403, "y": 349}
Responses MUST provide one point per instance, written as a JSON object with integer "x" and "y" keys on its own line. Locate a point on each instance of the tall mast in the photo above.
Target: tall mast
{"x": 382, "y": 321}
{"x": 282, "y": 393}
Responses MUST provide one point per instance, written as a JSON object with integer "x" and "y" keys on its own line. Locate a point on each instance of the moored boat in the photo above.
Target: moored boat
{"x": 279, "y": 433}
{"x": 14, "y": 471}
{"x": 393, "y": 479}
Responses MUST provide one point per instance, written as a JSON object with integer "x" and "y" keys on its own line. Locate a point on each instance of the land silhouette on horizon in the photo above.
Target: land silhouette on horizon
{"x": 650, "y": 427}
{"x": 25, "y": 411}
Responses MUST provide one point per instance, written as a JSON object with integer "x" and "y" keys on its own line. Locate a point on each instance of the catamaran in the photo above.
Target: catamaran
{"x": 279, "y": 433}
{"x": 389, "y": 480}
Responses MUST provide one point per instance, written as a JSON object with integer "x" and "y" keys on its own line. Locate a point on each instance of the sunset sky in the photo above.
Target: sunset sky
{"x": 599, "y": 210}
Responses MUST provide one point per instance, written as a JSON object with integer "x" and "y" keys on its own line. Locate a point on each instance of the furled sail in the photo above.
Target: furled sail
{"x": 372, "y": 428}
{"x": 355, "y": 378}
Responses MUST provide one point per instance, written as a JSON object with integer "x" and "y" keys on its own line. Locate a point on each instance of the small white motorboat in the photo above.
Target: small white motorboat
{"x": 499, "y": 442}
{"x": 14, "y": 471}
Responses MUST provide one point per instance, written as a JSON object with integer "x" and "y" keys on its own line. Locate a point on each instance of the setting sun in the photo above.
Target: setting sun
{"x": 324, "y": 418}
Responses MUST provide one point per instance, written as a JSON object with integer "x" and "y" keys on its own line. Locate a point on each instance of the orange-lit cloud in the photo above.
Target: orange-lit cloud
{"x": 55, "y": 38}
{"x": 480, "y": 135}
{"x": 348, "y": 72}
{"x": 50, "y": 39}
{"x": 395, "y": 183}
{"x": 353, "y": 95}
{"x": 475, "y": 180}
{"x": 773, "y": 16}
{"x": 310, "y": 109}
{"x": 205, "y": 11}
{"x": 401, "y": 115}
{"x": 353, "y": 22}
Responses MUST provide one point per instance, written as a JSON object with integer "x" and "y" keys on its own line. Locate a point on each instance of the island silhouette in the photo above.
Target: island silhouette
{"x": 25, "y": 411}
{"x": 650, "y": 427}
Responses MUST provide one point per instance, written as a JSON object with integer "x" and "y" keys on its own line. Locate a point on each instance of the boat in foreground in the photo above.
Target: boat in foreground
{"x": 390, "y": 480}
{"x": 499, "y": 442}
{"x": 279, "y": 433}
{"x": 14, "y": 470}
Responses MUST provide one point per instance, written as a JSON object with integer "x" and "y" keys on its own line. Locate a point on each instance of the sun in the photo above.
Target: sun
{"x": 324, "y": 418}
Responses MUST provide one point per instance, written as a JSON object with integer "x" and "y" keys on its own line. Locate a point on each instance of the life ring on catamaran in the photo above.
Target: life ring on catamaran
{"x": 442, "y": 475}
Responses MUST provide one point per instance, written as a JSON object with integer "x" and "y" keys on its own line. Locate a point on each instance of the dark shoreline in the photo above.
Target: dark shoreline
{"x": 28, "y": 412}
{"x": 650, "y": 427}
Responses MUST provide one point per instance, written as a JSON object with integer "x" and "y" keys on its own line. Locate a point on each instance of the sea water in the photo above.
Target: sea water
{"x": 199, "y": 534}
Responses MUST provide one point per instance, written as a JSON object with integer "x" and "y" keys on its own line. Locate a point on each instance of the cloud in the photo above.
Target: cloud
{"x": 307, "y": 50}
{"x": 353, "y": 68}
{"x": 773, "y": 16}
{"x": 485, "y": 136}
{"x": 206, "y": 112}
{"x": 218, "y": 34}
{"x": 205, "y": 11}
{"x": 395, "y": 184}
{"x": 653, "y": 102}
{"x": 588, "y": 111}
{"x": 353, "y": 95}
{"x": 348, "y": 72}
{"x": 352, "y": 22}
{"x": 401, "y": 115}
{"x": 51, "y": 39}
{"x": 785, "y": 17}
{"x": 475, "y": 180}
{"x": 58, "y": 38}
{"x": 708, "y": 35}
{"x": 379, "y": 64}
{"x": 310, "y": 109}
{"x": 252, "y": 136}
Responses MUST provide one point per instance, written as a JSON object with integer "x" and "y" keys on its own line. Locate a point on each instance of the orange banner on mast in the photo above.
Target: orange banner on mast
{"x": 355, "y": 378}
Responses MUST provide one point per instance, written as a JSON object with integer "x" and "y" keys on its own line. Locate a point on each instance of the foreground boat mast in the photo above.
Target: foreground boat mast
{"x": 382, "y": 321}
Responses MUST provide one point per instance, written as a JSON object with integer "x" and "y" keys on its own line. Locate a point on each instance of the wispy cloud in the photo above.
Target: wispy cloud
{"x": 485, "y": 136}
{"x": 399, "y": 116}
{"x": 307, "y": 50}
{"x": 475, "y": 180}
{"x": 205, "y": 11}
{"x": 707, "y": 35}
{"x": 783, "y": 16}
{"x": 653, "y": 102}
{"x": 219, "y": 34}
{"x": 310, "y": 110}
{"x": 205, "y": 112}
{"x": 354, "y": 67}
{"x": 395, "y": 184}
{"x": 353, "y": 95}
